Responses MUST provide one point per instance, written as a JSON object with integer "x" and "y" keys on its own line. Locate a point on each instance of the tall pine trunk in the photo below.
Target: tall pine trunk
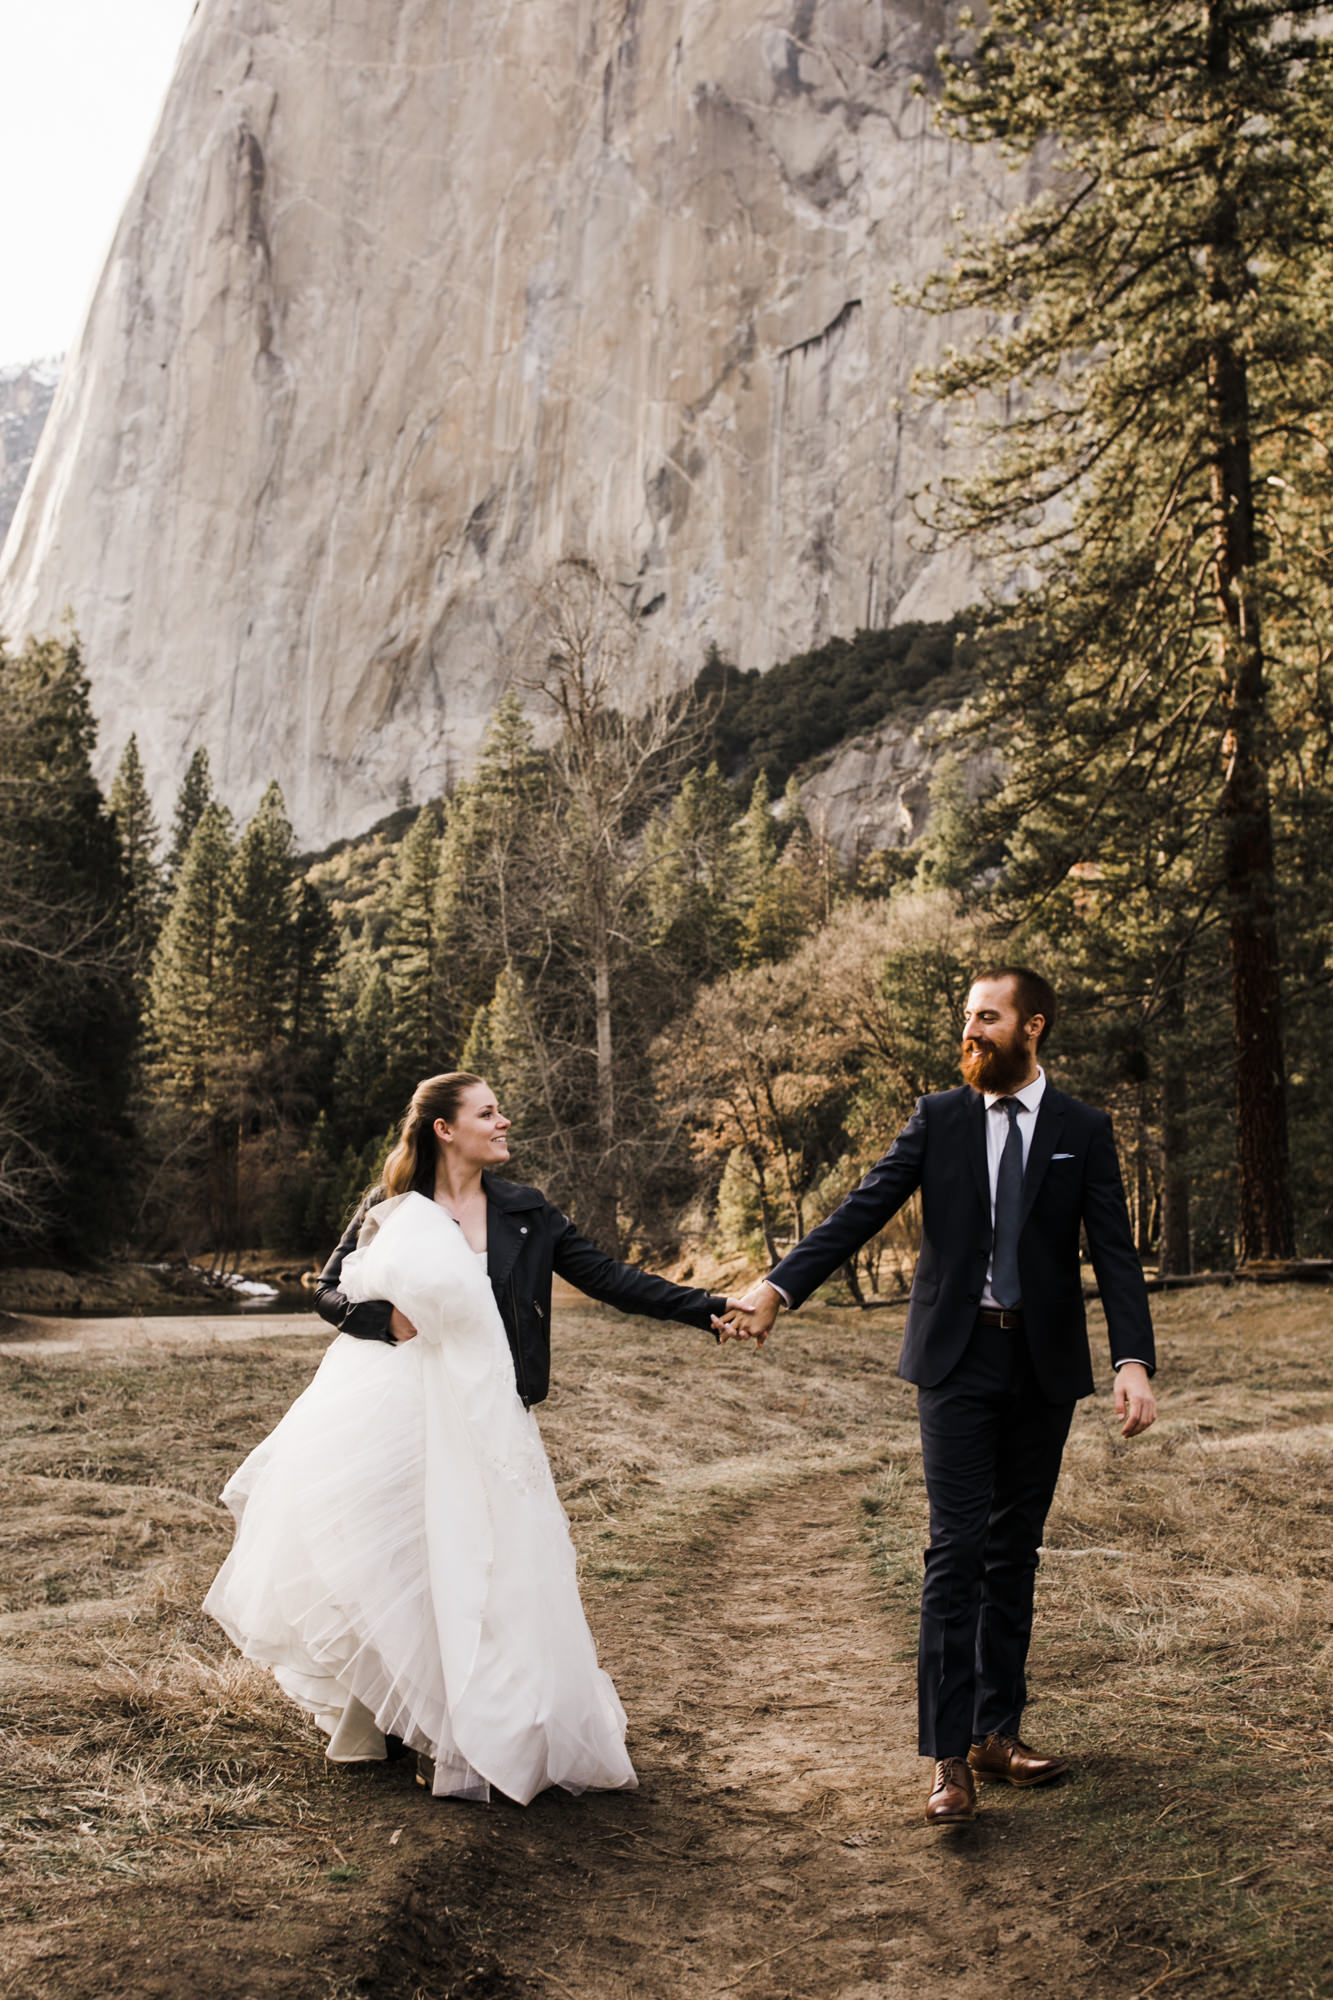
{"x": 224, "y": 1141}
{"x": 1143, "y": 1188}
{"x": 1266, "y": 1226}
{"x": 1262, "y": 1159}
{"x": 606, "y": 1202}
{"x": 1174, "y": 1254}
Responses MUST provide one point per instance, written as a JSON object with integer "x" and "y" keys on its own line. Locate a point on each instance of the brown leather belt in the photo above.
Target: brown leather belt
{"x": 1008, "y": 1318}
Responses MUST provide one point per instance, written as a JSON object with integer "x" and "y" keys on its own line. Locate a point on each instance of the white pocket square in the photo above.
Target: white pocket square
{"x": 1062, "y": 1156}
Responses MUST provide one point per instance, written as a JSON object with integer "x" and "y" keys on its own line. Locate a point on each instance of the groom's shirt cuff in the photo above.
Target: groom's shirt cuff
{"x": 786, "y": 1300}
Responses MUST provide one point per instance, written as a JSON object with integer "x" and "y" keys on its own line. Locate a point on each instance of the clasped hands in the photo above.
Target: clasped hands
{"x": 751, "y": 1317}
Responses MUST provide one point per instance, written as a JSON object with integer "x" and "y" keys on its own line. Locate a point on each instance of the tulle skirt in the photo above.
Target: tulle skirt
{"x": 402, "y": 1561}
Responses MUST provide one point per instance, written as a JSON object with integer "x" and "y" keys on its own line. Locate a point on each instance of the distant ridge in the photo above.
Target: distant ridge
{"x": 26, "y": 392}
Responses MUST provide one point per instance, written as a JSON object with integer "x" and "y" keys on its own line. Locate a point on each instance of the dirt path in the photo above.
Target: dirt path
{"x": 37, "y": 1337}
{"x": 776, "y": 1845}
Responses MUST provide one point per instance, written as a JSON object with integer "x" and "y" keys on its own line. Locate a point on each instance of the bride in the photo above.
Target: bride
{"x": 402, "y": 1561}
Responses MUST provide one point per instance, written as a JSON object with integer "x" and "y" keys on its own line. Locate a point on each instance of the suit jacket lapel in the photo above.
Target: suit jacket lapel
{"x": 975, "y": 1111}
{"x": 1050, "y": 1117}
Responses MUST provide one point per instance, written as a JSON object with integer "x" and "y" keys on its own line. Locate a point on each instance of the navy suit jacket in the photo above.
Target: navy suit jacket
{"x": 1072, "y": 1178}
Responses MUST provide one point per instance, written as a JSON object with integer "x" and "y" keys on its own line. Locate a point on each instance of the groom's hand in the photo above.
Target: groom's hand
{"x": 1135, "y": 1404}
{"x": 728, "y": 1325}
{"x": 752, "y": 1317}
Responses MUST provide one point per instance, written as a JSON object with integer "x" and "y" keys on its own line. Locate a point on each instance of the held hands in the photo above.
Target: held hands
{"x": 1135, "y": 1403}
{"x": 750, "y": 1318}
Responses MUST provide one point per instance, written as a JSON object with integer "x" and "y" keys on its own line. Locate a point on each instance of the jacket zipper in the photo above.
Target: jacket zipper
{"x": 524, "y": 1398}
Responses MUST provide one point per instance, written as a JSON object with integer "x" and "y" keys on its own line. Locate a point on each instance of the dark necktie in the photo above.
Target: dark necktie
{"x": 1004, "y": 1285}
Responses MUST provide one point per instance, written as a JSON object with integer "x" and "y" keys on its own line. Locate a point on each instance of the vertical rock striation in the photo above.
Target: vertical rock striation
{"x": 412, "y": 300}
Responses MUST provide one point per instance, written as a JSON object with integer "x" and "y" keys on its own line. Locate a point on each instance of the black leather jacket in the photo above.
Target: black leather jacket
{"x": 527, "y": 1239}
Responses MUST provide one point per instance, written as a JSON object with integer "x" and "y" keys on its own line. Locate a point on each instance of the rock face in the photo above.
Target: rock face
{"x": 874, "y": 790}
{"x": 26, "y": 390}
{"x": 410, "y": 302}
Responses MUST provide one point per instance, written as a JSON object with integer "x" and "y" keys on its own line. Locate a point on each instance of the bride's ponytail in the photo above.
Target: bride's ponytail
{"x": 411, "y": 1164}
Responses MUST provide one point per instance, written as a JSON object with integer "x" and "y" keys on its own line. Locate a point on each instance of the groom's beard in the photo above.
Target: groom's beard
{"x": 995, "y": 1068}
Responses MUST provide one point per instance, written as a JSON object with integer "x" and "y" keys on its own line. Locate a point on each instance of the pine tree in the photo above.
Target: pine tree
{"x": 946, "y": 855}
{"x": 1157, "y": 315}
{"x": 795, "y": 819}
{"x": 258, "y": 938}
{"x": 190, "y": 1017}
{"x": 189, "y": 988}
{"x": 756, "y": 847}
{"x": 504, "y": 1047}
{"x": 132, "y": 811}
{"x": 689, "y": 852}
{"x": 805, "y": 884}
{"x": 758, "y": 892}
{"x": 195, "y": 794}
{"x": 415, "y": 944}
{"x": 66, "y": 974}
{"x": 319, "y": 1221}
{"x": 493, "y": 865}
{"x": 371, "y": 1084}
{"x": 314, "y": 959}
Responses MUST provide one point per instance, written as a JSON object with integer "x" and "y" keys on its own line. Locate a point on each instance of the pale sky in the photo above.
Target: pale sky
{"x": 84, "y": 82}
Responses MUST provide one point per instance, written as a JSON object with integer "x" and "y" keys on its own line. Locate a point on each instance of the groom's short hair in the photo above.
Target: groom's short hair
{"x": 1034, "y": 994}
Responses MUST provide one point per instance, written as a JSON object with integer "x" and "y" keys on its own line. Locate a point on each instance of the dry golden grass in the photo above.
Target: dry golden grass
{"x": 135, "y": 1747}
{"x": 1183, "y": 1649}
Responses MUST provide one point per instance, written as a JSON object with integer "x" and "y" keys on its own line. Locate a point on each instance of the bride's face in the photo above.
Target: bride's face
{"x": 476, "y": 1135}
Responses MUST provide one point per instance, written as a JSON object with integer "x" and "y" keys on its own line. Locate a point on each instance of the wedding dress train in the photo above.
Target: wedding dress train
{"x": 402, "y": 1561}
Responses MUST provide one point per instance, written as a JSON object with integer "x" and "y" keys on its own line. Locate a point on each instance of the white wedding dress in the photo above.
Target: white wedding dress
{"x": 402, "y": 1561}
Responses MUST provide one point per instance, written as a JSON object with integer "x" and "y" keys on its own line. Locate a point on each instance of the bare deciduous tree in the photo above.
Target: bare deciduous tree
{"x": 615, "y": 760}
{"x": 809, "y": 1067}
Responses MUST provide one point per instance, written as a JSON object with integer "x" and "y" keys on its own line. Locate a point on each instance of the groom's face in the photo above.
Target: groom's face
{"x": 999, "y": 1052}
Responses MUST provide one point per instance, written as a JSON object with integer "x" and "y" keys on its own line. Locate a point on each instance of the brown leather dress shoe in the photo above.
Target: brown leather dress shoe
{"x": 1007, "y": 1760}
{"x": 953, "y": 1796}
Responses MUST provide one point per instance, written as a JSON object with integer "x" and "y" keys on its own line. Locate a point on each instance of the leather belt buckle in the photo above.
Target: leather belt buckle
{"x": 1009, "y": 1319}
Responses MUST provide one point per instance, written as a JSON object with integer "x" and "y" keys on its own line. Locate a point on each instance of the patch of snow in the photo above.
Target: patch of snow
{"x": 253, "y": 1288}
{"x": 249, "y": 1288}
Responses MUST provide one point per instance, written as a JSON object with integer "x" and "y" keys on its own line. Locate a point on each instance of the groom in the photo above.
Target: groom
{"x": 996, "y": 1341}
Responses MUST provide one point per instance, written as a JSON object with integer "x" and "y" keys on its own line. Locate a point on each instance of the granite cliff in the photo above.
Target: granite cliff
{"x": 410, "y": 301}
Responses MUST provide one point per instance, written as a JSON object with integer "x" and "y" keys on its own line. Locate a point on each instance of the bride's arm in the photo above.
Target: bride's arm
{"x": 370, "y": 1320}
{"x": 626, "y": 1286}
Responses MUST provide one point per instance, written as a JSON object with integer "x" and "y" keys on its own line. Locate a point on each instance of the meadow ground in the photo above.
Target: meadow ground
{"x": 750, "y": 1530}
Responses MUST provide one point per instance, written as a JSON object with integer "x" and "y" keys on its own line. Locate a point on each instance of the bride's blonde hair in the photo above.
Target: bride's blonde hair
{"x": 412, "y": 1161}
